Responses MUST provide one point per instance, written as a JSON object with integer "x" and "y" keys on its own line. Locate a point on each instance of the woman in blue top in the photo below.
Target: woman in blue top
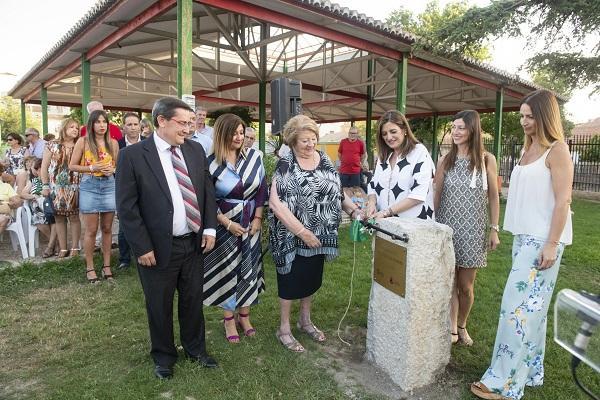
{"x": 233, "y": 275}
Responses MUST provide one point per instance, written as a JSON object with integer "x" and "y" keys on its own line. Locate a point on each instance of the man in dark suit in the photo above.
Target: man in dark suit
{"x": 166, "y": 205}
{"x": 132, "y": 134}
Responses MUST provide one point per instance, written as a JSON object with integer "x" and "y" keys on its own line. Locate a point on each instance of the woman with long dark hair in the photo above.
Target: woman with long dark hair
{"x": 538, "y": 214}
{"x": 465, "y": 185}
{"x": 95, "y": 157}
{"x": 62, "y": 185}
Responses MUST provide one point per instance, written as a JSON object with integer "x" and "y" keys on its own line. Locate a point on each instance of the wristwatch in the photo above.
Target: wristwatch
{"x": 495, "y": 227}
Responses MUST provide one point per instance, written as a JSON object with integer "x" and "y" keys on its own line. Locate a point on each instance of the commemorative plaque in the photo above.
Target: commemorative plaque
{"x": 389, "y": 266}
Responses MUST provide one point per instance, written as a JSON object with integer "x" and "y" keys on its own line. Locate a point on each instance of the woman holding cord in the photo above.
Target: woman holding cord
{"x": 233, "y": 274}
{"x": 305, "y": 211}
{"x": 538, "y": 215}
{"x": 465, "y": 184}
{"x": 63, "y": 185}
{"x": 402, "y": 182}
{"x": 94, "y": 157}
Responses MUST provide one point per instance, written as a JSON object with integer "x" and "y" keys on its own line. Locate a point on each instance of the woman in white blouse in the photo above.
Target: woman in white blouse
{"x": 402, "y": 181}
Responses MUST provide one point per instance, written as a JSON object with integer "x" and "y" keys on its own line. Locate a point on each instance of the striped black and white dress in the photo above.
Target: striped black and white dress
{"x": 233, "y": 274}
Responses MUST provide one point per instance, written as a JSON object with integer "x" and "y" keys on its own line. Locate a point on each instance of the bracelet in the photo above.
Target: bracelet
{"x": 91, "y": 168}
{"x": 228, "y": 225}
{"x": 300, "y": 231}
{"x": 495, "y": 227}
{"x": 554, "y": 242}
{"x": 257, "y": 217}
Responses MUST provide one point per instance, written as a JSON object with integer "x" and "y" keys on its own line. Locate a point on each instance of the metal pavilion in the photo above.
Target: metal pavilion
{"x": 126, "y": 53}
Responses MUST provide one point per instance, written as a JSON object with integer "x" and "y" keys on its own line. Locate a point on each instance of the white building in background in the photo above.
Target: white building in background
{"x": 55, "y": 116}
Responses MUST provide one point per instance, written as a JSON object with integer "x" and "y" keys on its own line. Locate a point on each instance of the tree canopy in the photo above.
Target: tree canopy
{"x": 568, "y": 30}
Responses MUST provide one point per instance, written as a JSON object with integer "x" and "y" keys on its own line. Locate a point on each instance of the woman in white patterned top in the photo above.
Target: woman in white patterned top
{"x": 402, "y": 182}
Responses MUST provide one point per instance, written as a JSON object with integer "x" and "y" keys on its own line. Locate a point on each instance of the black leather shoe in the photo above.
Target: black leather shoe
{"x": 204, "y": 360}
{"x": 163, "y": 372}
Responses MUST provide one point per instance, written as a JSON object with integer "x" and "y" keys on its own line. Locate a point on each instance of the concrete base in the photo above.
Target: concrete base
{"x": 409, "y": 338}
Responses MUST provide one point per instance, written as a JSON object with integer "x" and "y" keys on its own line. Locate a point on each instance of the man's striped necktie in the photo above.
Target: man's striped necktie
{"x": 190, "y": 201}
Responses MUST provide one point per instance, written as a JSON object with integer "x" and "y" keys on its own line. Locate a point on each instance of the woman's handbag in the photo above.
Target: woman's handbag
{"x": 48, "y": 210}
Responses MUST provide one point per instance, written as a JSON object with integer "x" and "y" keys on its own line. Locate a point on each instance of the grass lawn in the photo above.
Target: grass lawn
{"x": 61, "y": 338}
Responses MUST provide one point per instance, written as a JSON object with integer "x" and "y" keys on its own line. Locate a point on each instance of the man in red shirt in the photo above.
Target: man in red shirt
{"x": 113, "y": 130}
{"x": 352, "y": 155}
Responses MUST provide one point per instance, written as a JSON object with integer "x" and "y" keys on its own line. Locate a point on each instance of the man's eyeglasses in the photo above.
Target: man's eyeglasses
{"x": 184, "y": 124}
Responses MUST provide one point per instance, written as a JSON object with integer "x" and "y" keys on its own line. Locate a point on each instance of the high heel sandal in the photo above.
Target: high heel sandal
{"x": 63, "y": 254}
{"x": 230, "y": 338}
{"x": 311, "y": 330}
{"x": 109, "y": 276}
{"x": 74, "y": 252}
{"x": 247, "y": 332}
{"x": 91, "y": 280}
{"x": 464, "y": 338}
{"x": 453, "y": 338}
{"x": 48, "y": 252}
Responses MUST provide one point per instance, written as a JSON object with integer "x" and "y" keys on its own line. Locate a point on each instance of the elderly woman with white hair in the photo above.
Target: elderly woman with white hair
{"x": 305, "y": 203}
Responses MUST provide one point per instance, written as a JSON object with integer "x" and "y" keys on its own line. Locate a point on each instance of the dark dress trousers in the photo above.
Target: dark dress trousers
{"x": 145, "y": 212}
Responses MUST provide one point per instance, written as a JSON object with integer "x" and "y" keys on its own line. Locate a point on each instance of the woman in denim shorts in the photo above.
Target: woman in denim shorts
{"x": 95, "y": 157}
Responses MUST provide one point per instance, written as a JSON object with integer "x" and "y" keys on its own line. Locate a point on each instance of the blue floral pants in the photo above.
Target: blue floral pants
{"x": 518, "y": 356}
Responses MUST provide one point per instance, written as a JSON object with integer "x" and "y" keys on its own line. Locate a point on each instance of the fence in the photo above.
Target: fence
{"x": 585, "y": 153}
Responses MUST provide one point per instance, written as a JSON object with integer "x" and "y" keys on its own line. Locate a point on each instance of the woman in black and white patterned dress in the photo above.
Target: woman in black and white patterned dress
{"x": 402, "y": 181}
{"x": 304, "y": 214}
{"x": 465, "y": 183}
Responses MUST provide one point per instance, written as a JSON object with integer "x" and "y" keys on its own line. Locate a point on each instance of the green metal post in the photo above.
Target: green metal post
{"x": 498, "y": 125}
{"x": 85, "y": 87}
{"x": 434, "y": 139}
{"x": 23, "y": 117}
{"x": 262, "y": 114}
{"x": 44, "y": 103}
{"x": 262, "y": 90}
{"x": 369, "y": 114}
{"x": 401, "y": 79}
{"x": 184, "y": 47}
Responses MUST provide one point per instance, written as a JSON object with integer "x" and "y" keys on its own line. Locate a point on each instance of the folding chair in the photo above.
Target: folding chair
{"x": 17, "y": 231}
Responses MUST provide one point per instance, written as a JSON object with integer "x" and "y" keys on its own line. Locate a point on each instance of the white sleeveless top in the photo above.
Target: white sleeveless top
{"x": 530, "y": 202}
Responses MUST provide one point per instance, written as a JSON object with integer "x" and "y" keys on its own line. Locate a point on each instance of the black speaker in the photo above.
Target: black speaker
{"x": 286, "y": 102}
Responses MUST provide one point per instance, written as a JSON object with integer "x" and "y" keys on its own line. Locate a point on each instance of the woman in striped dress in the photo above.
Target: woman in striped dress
{"x": 233, "y": 275}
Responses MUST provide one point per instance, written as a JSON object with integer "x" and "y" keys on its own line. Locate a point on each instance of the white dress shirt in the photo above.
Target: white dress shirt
{"x": 180, "y": 226}
{"x": 204, "y": 140}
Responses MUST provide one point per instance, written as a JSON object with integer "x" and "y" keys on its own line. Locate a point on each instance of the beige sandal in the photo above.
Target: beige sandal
{"x": 464, "y": 338}
{"x": 311, "y": 330}
{"x": 481, "y": 391}
{"x": 292, "y": 344}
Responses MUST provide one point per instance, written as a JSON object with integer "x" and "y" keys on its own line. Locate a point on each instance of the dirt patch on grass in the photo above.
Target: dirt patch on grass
{"x": 355, "y": 376}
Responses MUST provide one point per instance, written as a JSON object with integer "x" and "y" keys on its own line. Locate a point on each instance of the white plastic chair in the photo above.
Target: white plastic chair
{"x": 32, "y": 234}
{"x": 17, "y": 231}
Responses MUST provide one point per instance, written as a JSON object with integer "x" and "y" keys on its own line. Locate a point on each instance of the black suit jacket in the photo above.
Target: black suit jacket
{"x": 122, "y": 143}
{"x": 144, "y": 201}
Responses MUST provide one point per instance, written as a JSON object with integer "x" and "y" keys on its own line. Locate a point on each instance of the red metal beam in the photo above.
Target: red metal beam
{"x": 439, "y": 69}
{"x": 445, "y": 113}
{"x": 74, "y": 39}
{"x": 106, "y": 106}
{"x": 212, "y": 99}
{"x": 317, "y": 88}
{"x": 331, "y": 102}
{"x": 279, "y": 19}
{"x": 155, "y": 10}
{"x": 227, "y": 86}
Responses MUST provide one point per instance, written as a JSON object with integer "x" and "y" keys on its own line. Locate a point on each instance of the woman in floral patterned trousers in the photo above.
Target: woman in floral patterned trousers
{"x": 539, "y": 216}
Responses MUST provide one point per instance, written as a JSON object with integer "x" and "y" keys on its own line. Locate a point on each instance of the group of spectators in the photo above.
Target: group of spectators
{"x": 206, "y": 189}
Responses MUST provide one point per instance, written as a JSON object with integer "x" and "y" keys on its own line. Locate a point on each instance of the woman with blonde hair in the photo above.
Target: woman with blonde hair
{"x": 465, "y": 184}
{"x": 402, "y": 182}
{"x": 305, "y": 205}
{"x": 538, "y": 215}
{"x": 233, "y": 274}
{"x": 94, "y": 158}
{"x": 62, "y": 185}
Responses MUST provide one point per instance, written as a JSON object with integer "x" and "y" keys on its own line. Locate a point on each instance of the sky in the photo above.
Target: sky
{"x": 47, "y": 21}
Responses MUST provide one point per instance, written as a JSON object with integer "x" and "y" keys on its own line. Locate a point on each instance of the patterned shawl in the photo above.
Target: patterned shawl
{"x": 314, "y": 197}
